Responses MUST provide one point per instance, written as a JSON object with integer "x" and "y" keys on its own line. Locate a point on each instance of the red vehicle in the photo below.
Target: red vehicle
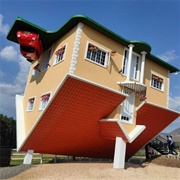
{"x": 30, "y": 45}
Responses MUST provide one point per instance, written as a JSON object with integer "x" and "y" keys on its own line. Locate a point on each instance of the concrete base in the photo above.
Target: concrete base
{"x": 119, "y": 153}
{"x": 28, "y": 157}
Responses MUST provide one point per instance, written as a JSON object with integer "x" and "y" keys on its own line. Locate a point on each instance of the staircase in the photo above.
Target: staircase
{"x": 160, "y": 145}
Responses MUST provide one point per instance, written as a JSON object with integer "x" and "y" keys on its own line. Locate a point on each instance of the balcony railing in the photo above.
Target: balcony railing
{"x": 133, "y": 87}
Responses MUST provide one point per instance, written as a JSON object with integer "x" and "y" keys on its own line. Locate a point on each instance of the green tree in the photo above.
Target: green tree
{"x": 7, "y": 131}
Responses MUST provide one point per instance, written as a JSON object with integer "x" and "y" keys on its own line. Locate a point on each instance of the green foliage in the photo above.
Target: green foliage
{"x": 7, "y": 131}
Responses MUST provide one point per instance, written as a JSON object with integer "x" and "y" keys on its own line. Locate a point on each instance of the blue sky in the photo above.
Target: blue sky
{"x": 156, "y": 22}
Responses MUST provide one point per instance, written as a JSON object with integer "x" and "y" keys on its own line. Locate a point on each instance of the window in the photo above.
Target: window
{"x": 157, "y": 82}
{"x": 36, "y": 69}
{"x": 134, "y": 71}
{"x": 127, "y": 109}
{"x": 30, "y": 104}
{"x": 59, "y": 54}
{"x": 97, "y": 55}
{"x": 136, "y": 68}
{"x": 124, "y": 69}
{"x": 44, "y": 101}
{"x": 47, "y": 59}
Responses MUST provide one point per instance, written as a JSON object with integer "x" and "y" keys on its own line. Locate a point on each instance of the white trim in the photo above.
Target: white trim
{"x": 129, "y": 62}
{"x": 20, "y": 126}
{"x": 136, "y": 132}
{"x": 107, "y": 58}
{"x": 126, "y": 66}
{"x": 40, "y": 104}
{"x": 143, "y": 59}
{"x": 131, "y": 82}
{"x": 45, "y": 59}
{"x": 54, "y": 95}
{"x": 124, "y": 74}
{"x": 123, "y": 129}
{"x": 98, "y": 85}
{"x": 132, "y": 135}
{"x": 163, "y": 84}
{"x": 38, "y": 119}
{"x": 27, "y": 110}
{"x": 119, "y": 153}
{"x": 28, "y": 157}
{"x": 35, "y": 72}
{"x": 76, "y": 48}
{"x": 54, "y": 62}
{"x": 137, "y": 108}
{"x": 127, "y": 109}
{"x": 168, "y": 87}
{"x": 156, "y": 105}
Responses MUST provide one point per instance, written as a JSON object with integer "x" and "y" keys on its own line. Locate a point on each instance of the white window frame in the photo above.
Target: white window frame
{"x": 36, "y": 70}
{"x": 48, "y": 55}
{"x": 135, "y": 69}
{"x": 43, "y": 104}
{"x": 56, "y": 61}
{"x": 124, "y": 62}
{"x": 156, "y": 85}
{"x": 127, "y": 109}
{"x": 107, "y": 55}
{"x": 30, "y": 106}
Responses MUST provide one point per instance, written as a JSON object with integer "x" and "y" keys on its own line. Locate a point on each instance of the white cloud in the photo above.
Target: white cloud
{"x": 174, "y": 104}
{"x": 168, "y": 56}
{"x": 4, "y": 28}
{"x": 9, "y": 90}
{"x": 174, "y": 125}
{"x": 9, "y": 53}
{"x": 22, "y": 75}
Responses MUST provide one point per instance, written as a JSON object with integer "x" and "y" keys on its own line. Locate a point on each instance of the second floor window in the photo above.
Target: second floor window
{"x": 157, "y": 82}
{"x": 97, "y": 55}
{"x": 30, "y": 104}
{"x": 59, "y": 54}
{"x": 44, "y": 101}
{"x": 47, "y": 59}
{"x": 36, "y": 69}
{"x": 134, "y": 71}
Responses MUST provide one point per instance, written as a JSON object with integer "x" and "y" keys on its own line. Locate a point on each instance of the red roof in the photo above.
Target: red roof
{"x": 155, "y": 118}
{"x": 70, "y": 123}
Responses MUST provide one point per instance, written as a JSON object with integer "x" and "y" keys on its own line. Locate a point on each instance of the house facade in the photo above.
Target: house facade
{"x": 92, "y": 93}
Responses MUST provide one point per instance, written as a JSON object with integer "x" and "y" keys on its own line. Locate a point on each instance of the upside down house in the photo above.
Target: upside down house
{"x": 90, "y": 92}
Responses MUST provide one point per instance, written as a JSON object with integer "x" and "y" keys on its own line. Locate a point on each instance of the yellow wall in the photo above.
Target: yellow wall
{"x": 94, "y": 72}
{"x": 105, "y": 76}
{"x": 48, "y": 80}
{"x": 110, "y": 76}
{"x": 153, "y": 95}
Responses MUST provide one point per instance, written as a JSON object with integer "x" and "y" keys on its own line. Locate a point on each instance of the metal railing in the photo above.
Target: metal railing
{"x": 160, "y": 144}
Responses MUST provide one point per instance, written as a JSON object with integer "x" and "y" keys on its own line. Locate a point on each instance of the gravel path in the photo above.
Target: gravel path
{"x": 161, "y": 168}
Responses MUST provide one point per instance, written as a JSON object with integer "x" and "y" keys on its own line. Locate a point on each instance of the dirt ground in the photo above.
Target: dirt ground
{"x": 161, "y": 168}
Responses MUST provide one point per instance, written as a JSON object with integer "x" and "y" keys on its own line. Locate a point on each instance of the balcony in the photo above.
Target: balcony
{"x": 133, "y": 87}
